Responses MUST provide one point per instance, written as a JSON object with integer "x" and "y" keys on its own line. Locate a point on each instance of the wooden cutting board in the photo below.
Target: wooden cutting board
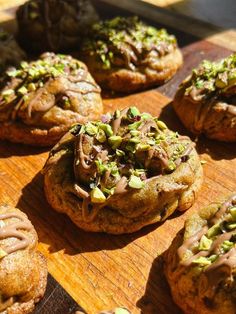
{"x": 102, "y": 271}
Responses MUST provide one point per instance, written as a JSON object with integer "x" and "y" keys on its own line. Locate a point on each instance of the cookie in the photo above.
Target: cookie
{"x": 54, "y": 25}
{"x": 23, "y": 270}
{"x": 126, "y": 55}
{"x": 200, "y": 265}
{"x": 122, "y": 173}
{"x": 41, "y": 99}
{"x": 206, "y": 101}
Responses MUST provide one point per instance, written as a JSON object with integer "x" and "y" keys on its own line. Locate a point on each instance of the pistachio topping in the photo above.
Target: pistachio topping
{"x": 124, "y": 150}
{"x": 54, "y": 79}
{"x": 215, "y": 243}
{"x": 212, "y": 77}
{"x": 121, "y": 41}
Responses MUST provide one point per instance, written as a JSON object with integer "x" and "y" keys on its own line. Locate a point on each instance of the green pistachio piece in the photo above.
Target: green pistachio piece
{"x": 22, "y": 90}
{"x": 135, "y": 182}
{"x": 7, "y": 92}
{"x": 120, "y": 310}
{"x": 2, "y": 253}
{"x": 31, "y": 87}
{"x": 227, "y": 245}
{"x": 213, "y": 231}
{"x": 143, "y": 147}
{"x": 91, "y": 129}
{"x": 231, "y": 225}
{"x": 171, "y": 165}
{"x": 12, "y": 72}
{"x": 114, "y": 141}
{"x": 117, "y": 114}
{"x": 213, "y": 257}
{"x": 101, "y": 136}
{"x": 219, "y": 83}
{"x": 100, "y": 166}
{"x": 120, "y": 152}
{"x": 233, "y": 212}
{"x": 108, "y": 191}
{"x": 97, "y": 196}
{"x": 134, "y": 140}
{"x": 204, "y": 261}
{"x": 133, "y": 112}
{"x": 134, "y": 132}
{"x": 106, "y": 128}
{"x": 161, "y": 125}
{"x": 134, "y": 126}
{"x": 146, "y": 116}
{"x": 204, "y": 244}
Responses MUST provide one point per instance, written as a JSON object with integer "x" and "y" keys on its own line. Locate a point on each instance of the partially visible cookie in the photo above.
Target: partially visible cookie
{"x": 126, "y": 55}
{"x": 206, "y": 101}
{"x": 122, "y": 173}
{"x": 10, "y": 52}
{"x": 23, "y": 270}
{"x": 40, "y": 100}
{"x": 200, "y": 265}
{"x": 54, "y": 25}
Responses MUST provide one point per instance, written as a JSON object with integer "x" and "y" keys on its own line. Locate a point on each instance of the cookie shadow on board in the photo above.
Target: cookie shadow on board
{"x": 9, "y": 149}
{"x": 60, "y": 233}
{"x": 216, "y": 149}
{"x": 157, "y": 297}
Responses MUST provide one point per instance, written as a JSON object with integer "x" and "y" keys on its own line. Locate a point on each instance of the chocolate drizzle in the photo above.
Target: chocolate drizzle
{"x": 223, "y": 267}
{"x": 12, "y": 230}
{"x": 100, "y": 167}
{"x": 34, "y": 93}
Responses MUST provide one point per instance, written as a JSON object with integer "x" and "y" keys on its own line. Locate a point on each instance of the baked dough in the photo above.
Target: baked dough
{"x": 122, "y": 173}
{"x": 23, "y": 270}
{"x": 54, "y": 25}
{"x": 126, "y": 55}
{"x": 10, "y": 52}
{"x": 206, "y": 101}
{"x": 200, "y": 265}
{"x": 41, "y": 99}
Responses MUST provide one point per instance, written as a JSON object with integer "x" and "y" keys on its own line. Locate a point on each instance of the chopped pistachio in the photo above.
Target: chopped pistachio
{"x": 117, "y": 114}
{"x": 134, "y": 125}
{"x": 205, "y": 243}
{"x": 115, "y": 141}
{"x": 101, "y": 136}
{"x": 135, "y": 182}
{"x": 120, "y": 310}
{"x": 171, "y": 165}
{"x": 232, "y": 211}
{"x": 134, "y": 132}
{"x": 146, "y": 116}
{"x": 7, "y": 92}
{"x": 97, "y": 196}
{"x": 143, "y": 147}
{"x": 31, "y": 87}
{"x": 133, "y": 112}
{"x": 120, "y": 152}
{"x": 134, "y": 140}
{"x": 204, "y": 261}
{"x": 227, "y": 245}
{"x": 214, "y": 230}
{"x": 231, "y": 225}
{"x": 161, "y": 124}
{"x": 106, "y": 128}
{"x": 108, "y": 191}
{"x": 100, "y": 166}
{"x": 91, "y": 129}
{"x": 22, "y": 90}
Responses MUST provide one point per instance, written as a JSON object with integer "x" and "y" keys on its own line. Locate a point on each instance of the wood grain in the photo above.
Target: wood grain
{"x": 102, "y": 271}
